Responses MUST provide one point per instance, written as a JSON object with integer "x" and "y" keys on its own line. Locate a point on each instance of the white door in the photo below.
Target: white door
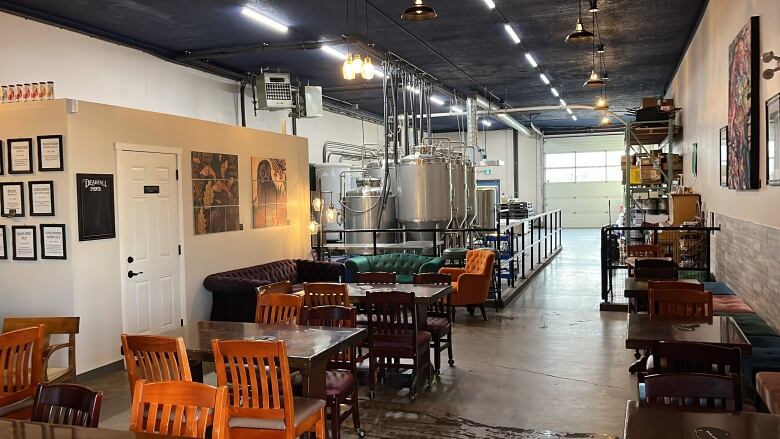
{"x": 149, "y": 240}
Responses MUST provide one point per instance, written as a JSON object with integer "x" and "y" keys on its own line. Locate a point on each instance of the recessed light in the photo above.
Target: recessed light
{"x": 257, "y": 16}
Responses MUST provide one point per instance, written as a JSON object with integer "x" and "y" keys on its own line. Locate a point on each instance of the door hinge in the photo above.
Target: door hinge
{"x": 179, "y": 249}
{"x": 177, "y": 174}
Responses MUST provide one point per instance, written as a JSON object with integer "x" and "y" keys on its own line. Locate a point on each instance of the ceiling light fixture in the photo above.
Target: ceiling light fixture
{"x": 348, "y": 69}
{"x": 333, "y": 52}
{"x": 568, "y": 110}
{"x": 601, "y": 103}
{"x": 545, "y": 79}
{"x": 512, "y": 33}
{"x": 368, "y": 71}
{"x": 357, "y": 63}
{"x": 260, "y": 18}
{"x": 531, "y": 59}
{"x": 554, "y": 91}
{"x": 605, "y": 120}
{"x": 490, "y": 4}
{"x": 573, "y": 117}
{"x": 457, "y": 110}
{"x": 600, "y": 48}
{"x": 486, "y": 122}
{"x": 594, "y": 80}
{"x": 594, "y": 6}
{"x": 562, "y": 102}
{"x": 419, "y": 11}
{"x": 580, "y": 34}
{"x": 436, "y": 100}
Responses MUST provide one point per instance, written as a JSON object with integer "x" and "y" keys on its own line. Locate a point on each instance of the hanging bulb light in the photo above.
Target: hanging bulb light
{"x": 368, "y": 71}
{"x": 594, "y": 80}
{"x": 605, "y": 120}
{"x": 419, "y": 11}
{"x": 330, "y": 214}
{"x": 314, "y": 226}
{"x": 316, "y": 203}
{"x": 601, "y": 104}
{"x": 580, "y": 34}
{"x": 600, "y": 47}
{"x": 594, "y": 6}
{"x": 346, "y": 70}
{"x": 357, "y": 64}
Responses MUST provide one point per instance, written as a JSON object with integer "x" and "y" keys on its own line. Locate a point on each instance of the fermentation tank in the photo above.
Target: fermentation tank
{"x": 424, "y": 191}
{"x": 363, "y": 210}
{"x": 486, "y": 207}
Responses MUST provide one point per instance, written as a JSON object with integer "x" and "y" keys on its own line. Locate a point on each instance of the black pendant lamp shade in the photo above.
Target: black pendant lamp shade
{"x": 419, "y": 12}
{"x": 580, "y": 34}
{"x": 594, "y": 80}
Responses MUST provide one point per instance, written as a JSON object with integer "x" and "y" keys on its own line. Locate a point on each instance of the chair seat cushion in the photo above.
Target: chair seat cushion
{"x": 338, "y": 382}
{"x": 304, "y": 409}
{"x": 437, "y": 325}
{"x": 15, "y": 407}
{"x": 718, "y": 288}
{"x": 768, "y": 387}
{"x": 729, "y": 304}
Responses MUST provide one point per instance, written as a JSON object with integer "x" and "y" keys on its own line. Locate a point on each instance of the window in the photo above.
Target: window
{"x": 593, "y": 166}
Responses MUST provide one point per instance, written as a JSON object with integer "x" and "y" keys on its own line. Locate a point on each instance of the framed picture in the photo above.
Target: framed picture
{"x": 95, "y": 206}
{"x": 53, "y": 241}
{"x": 2, "y": 168}
{"x": 3, "y": 243}
{"x": 724, "y": 153}
{"x": 773, "y": 140}
{"x": 50, "y": 153}
{"x": 20, "y": 156}
{"x": 11, "y": 199}
{"x": 41, "y": 198}
{"x": 25, "y": 245}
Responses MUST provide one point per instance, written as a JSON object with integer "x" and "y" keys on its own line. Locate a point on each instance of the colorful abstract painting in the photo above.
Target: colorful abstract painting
{"x": 269, "y": 192}
{"x": 215, "y": 192}
{"x": 743, "y": 117}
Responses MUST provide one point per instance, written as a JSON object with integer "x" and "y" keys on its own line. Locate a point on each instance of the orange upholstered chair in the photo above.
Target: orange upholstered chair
{"x": 470, "y": 285}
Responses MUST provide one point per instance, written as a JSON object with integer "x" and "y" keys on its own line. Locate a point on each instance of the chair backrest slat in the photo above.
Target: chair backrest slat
{"x": 393, "y": 313}
{"x": 674, "y": 357}
{"x": 680, "y": 304}
{"x": 21, "y": 358}
{"x": 673, "y": 285}
{"x": 278, "y": 309}
{"x": 322, "y": 293}
{"x": 155, "y": 358}
{"x": 697, "y": 391}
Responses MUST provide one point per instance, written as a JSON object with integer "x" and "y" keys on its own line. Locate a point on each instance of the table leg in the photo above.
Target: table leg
{"x": 639, "y": 365}
{"x": 314, "y": 379}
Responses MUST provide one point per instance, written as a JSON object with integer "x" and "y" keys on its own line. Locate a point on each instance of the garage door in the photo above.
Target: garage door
{"x": 582, "y": 178}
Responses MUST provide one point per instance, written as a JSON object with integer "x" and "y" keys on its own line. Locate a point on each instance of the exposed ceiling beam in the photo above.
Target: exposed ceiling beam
{"x": 254, "y": 48}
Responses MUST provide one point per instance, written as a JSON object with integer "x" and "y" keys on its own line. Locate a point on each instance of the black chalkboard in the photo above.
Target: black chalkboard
{"x": 95, "y": 197}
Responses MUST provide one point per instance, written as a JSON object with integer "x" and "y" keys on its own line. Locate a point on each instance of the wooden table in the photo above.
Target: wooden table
{"x": 424, "y": 294}
{"x": 308, "y": 347}
{"x": 12, "y": 429}
{"x": 643, "y": 422}
{"x": 637, "y": 289}
{"x": 644, "y": 331}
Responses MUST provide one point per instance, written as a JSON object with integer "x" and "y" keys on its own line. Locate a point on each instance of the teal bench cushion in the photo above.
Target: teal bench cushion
{"x": 405, "y": 265}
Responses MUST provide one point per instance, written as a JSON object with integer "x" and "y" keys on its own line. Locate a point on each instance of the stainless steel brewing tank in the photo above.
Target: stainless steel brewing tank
{"x": 376, "y": 169}
{"x": 471, "y": 192}
{"x": 363, "y": 210}
{"x": 458, "y": 178}
{"x": 424, "y": 195}
{"x": 486, "y": 207}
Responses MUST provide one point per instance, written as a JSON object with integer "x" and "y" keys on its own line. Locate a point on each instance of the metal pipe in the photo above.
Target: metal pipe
{"x": 243, "y": 103}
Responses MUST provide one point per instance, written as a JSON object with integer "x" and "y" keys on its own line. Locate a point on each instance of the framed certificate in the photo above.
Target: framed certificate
{"x": 50, "y": 153}
{"x": 24, "y": 243}
{"x": 41, "y": 198}
{"x": 11, "y": 199}
{"x": 3, "y": 244}
{"x": 20, "y": 156}
{"x": 53, "y": 241}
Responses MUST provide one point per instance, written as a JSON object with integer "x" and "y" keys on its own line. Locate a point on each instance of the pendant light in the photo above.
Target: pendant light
{"x": 605, "y": 120}
{"x": 594, "y": 6}
{"x": 314, "y": 226}
{"x": 580, "y": 34}
{"x": 601, "y": 103}
{"x": 330, "y": 214}
{"x": 595, "y": 79}
{"x": 419, "y": 11}
{"x": 357, "y": 63}
{"x": 346, "y": 70}
{"x": 368, "y": 70}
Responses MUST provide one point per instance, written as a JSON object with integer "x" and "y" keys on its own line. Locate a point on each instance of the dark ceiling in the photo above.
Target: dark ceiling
{"x": 465, "y": 48}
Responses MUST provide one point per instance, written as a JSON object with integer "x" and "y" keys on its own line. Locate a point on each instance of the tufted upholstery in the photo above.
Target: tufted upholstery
{"x": 404, "y": 265}
{"x": 234, "y": 291}
{"x": 471, "y": 284}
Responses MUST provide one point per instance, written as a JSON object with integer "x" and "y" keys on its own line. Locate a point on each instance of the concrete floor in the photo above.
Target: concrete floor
{"x": 549, "y": 365}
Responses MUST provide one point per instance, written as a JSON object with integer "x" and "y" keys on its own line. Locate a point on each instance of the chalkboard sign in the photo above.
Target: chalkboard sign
{"x": 95, "y": 197}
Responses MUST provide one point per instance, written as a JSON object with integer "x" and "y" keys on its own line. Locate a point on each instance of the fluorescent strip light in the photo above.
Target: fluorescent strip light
{"x": 531, "y": 60}
{"x": 257, "y": 16}
{"x": 568, "y": 110}
{"x": 512, "y": 33}
{"x": 457, "y": 110}
{"x": 331, "y": 51}
{"x": 545, "y": 79}
{"x": 490, "y": 4}
{"x": 437, "y": 101}
{"x": 562, "y": 102}
{"x": 486, "y": 122}
{"x": 554, "y": 91}
{"x": 573, "y": 117}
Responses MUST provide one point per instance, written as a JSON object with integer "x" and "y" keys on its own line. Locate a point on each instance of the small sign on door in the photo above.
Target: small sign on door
{"x": 151, "y": 189}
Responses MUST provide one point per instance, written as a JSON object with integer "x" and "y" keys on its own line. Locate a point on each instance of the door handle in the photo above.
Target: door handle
{"x": 131, "y": 275}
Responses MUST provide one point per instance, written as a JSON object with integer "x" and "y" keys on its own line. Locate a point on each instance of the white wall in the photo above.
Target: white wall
{"x": 93, "y": 70}
{"x": 700, "y": 88}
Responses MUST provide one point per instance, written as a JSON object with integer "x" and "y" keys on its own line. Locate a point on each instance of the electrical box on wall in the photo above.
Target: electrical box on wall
{"x": 275, "y": 91}
{"x": 312, "y": 101}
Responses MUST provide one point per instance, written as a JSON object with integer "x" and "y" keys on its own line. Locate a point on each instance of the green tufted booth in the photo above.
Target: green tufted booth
{"x": 405, "y": 265}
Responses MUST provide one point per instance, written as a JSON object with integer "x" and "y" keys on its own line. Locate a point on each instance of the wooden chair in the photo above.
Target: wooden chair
{"x": 21, "y": 360}
{"x": 322, "y": 293}
{"x": 282, "y": 309}
{"x": 376, "y": 278}
{"x": 260, "y": 399}
{"x": 67, "y": 404}
{"x": 673, "y": 285}
{"x": 284, "y": 287}
{"x": 155, "y": 358}
{"x": 676, "y": 357}
{"x": 655, "y": 269}
{"x": 180, "y": 408}
{"x": 341, "y": 378}
{"x": 680, "y": 304}
{"x": 393, "y": 335}
{"x": 643, "y": 250}
{"x": 439, "y": 318}
{"x": 695, "y": 391}
{"x": 52, "y": 326}
{"x": 471, "y": 284}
